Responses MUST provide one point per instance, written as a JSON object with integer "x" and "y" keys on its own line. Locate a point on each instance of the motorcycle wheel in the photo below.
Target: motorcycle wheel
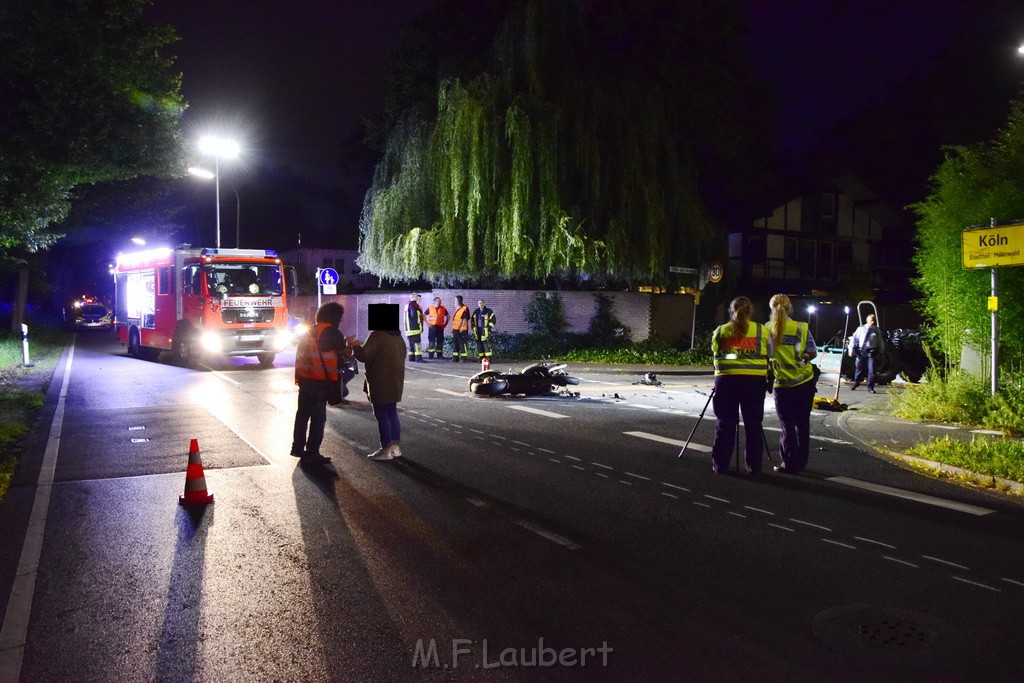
{"x": 488, "y": 386}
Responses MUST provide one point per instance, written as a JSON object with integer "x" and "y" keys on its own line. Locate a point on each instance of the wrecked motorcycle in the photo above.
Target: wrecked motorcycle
{"x": 534, "y": 380}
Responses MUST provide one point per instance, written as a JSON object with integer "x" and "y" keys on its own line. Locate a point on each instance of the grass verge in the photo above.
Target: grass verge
{"x": 996, "y": 457}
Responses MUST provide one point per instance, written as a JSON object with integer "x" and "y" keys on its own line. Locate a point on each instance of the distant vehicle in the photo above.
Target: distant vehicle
{"x": 198, "y": 302}
{"x": 92, "y": 315}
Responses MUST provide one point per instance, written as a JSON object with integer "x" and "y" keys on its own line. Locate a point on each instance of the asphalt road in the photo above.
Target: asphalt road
{"x": 515, "y": 539}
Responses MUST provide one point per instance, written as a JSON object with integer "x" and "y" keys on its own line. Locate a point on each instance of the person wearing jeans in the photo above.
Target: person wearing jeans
{"x": 383, "y": 355}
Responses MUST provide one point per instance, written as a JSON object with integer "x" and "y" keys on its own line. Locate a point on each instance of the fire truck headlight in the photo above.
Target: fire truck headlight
{"x": 301, "y": 329}
{"x": 212, "y": 342}
{"x": 282, "y": 340}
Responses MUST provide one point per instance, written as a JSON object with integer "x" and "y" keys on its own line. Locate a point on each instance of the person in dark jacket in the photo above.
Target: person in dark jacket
{"x": 384, "y": 375}
{"x": 318, "y": 357}
{"x": 483, "y": 329}
{"x": 414, "y": 328}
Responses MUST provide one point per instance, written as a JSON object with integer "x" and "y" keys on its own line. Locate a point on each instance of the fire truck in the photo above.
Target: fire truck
{"x": 199, "y": 301}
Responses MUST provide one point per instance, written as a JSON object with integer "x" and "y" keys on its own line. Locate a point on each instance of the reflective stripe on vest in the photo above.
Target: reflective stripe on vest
{"x": 789, "y": 370}
{"x": 413, "y": 319}
{"x": 460, "y": 322}
{"x": 437, "y": 316}
{"x": 747, "y": 357}
{"x": 307, "y": 358}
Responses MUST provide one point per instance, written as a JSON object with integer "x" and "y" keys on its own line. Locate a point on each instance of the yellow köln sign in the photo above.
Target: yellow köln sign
{"x": 992, "y": 247}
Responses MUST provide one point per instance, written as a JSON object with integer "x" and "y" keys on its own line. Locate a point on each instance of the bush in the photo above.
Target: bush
{"x": 605, "y": 329}
{"x": 545, "y": 315}
{"x": 577, "y": 348}
{"x": 963, "y": 399}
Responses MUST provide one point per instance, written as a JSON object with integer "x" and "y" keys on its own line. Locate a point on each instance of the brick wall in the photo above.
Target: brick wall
{"x": 633, "y": 309}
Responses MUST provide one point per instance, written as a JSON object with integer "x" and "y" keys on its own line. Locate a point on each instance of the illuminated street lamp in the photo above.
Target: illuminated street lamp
{"x": 138, "y": 240}
{"x": 206, "y": 174}
{"x": 810, "y": 314}
{"x": 218, "y": 148}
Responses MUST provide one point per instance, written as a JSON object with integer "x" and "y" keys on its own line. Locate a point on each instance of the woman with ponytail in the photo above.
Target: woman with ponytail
{"x": 792, "y": 347}
{"x": 740, "y": 348}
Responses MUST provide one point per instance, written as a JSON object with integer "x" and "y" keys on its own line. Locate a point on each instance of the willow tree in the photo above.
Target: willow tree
{"x": 556, "y": 160}
{"x": 973, "y": 185}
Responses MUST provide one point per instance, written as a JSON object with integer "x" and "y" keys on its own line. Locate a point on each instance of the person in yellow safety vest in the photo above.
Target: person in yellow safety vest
{"x": 437, "y": 320}
{"x": 460, "y": 331}
{"x": 483, "y": 325}
{"x": 317, "y": 358}
{"x": 414, "y": 328}
{"x": 740, "y": 349}
{"x": 791, "y": 348}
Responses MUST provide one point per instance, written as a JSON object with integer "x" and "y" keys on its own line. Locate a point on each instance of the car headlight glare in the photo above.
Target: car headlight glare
{"x": 212, "y": 342}
{"x": 282, "y": 340}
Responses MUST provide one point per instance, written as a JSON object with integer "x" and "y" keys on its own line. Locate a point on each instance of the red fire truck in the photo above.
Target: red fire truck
{"x": 202, "y": 301}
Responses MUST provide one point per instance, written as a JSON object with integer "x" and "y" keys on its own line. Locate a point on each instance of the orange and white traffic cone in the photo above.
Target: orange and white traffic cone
{"x": 485, "y": 364}
{"x": 195, "y": 480}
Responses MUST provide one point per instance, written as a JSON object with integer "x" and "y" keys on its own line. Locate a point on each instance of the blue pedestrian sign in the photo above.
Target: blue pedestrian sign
{"x": 328, "y": 276}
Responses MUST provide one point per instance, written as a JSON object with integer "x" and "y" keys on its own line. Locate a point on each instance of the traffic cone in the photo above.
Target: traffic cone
{"x": 195, "y": 480}
{"x": 485, "y": 364}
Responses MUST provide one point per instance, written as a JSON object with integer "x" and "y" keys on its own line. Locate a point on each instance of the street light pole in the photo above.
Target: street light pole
{"x": 219, "y": 148}
{"x": 216, "y": 182}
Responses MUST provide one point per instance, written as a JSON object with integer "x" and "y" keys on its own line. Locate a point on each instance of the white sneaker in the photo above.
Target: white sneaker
{"x": 380, "y": 454}
{"x": 395, "y": 451}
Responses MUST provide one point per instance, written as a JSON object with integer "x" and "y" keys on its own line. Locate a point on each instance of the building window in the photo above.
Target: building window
{"x": 807, "y": 259}
{"x": 828, "y": 206}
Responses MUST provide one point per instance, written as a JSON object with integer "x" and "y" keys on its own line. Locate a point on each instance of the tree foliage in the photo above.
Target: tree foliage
{"x": 973, "y": 185}
{"x": 561, "y": 157}
{"x": 88, "y": 96}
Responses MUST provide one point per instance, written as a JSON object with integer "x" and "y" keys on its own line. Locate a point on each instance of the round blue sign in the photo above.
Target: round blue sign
{"x": 328, "y": 276}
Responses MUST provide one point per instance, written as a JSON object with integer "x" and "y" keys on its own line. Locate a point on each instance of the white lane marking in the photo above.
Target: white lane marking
{"x": 943, "y": 427}
{"x": 703, "y": 505}
{"x": 899, "y": 561}
{"x": 19, "y": 604}
{"x": 669, "y": 495}
{"x": 946, "y": 562}
{"x": 544, "y": 533}
{"x": 737, "y": 514}
{"x": 220, "y": 375}
{"x": 496, "y": 436}
{"x": 637, "y": 476}
{"x": 537, "y": 411}
{"x": 477, "y": 502}
{"x": 763, "y": 512}
{"x": 779, "y": 526}
{"x": 681, "y": 488}
{"x": 553, "y": 460}
{"x": 597, "y": 464}
{"x": 975, "y": 583}
{"x": 815, "y": 438}
{"x": 571, "y": 457}
{"x": 988, "y": 432}
{"x": 816, "y": 526}
{"x": 871, "y": 540}
{"x": 1015, "y": 583}
{"x": 544, "y": 450}
{"x": 643, "y": 405}
{"x": 911, "y": 495}
{"x": 720, "y": 500}
{"x": 475, "y": 430}
{"x": 845, "y": 545}
{"x": 665, "y": 439}
{"x": 601, "y": 475}
{"x": 627, "y": 483}
{"x": 450, "y": 392}
{"x": 577, "y": 467}
{"x": 520, "y": 443}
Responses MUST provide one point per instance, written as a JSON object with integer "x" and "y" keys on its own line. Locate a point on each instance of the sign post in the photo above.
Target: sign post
{"x": 992, "y": 247}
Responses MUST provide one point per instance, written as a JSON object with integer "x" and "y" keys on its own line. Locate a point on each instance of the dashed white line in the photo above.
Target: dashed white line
{"x": 577, "y": 467}
{"x": 637, "y": 476}
{"x": 946, "y": 562}
{"x": 1015, "y": 583}
{"x": 810, "y": 524}
{"x": 520, "y": 443}
{"x": 668, "y": 495}
{"x": 498, "y": 436}
{"x": 450, "y": 392}
{"x": 537, "y": 411}
{"x": 571, "y": 457}
{"x": 553, "y": 460}
{"x": 597, "y": 464}
{"x": 627, "y": 483}
{"x": 975, "y": 583}
{"x": 911, "y": 495}
{"x": 544, "y": 450}
{"x": 477, "y": 431}
{"x": 703, "y": 505}
{"x": 681, "y": 488}
{"x": 665, "y": 439}
{"x": 477, "y": 502}
{"x": 871, "y": 540}
{"x": 779, "y": 526}
{"x": 720, "y": 500}
{"x": 605, "y": 476}
{"x": 544, "y": 533}
{"x": 834, "y": 542}
{"x": 763, "y": 512}
{"x": 737, "y": 514}
{"x": 899, "y": 561}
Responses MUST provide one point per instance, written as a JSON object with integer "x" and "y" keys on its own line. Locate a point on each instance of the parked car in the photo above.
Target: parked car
{"x": 92, "y": 316}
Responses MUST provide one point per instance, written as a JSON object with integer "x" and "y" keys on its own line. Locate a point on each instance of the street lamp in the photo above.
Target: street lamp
{"x": 206, "y": 174}
{"x": 810, "y": 314}
{"x": 218, "y": 148}
{"x": 138, "y": 240}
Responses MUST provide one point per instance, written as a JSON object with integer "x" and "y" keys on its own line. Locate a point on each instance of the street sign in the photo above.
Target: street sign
{"x": 680, "y": 269}
{"x": 327, "y": 276}
{"x": 994, "y": 246}
{"x": 715, "y": 271}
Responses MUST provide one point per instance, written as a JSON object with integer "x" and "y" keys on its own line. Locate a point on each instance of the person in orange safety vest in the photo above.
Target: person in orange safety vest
{"x": 317, "y": 359}
{"x": 437, "y": 320}
{"x": 460, "y": 331}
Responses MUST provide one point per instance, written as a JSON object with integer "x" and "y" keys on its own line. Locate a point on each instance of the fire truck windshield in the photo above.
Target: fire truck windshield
{"x": 242, "y": 279}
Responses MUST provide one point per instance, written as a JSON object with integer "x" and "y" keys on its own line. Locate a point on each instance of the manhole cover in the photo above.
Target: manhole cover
{"x": 892, "y": 635}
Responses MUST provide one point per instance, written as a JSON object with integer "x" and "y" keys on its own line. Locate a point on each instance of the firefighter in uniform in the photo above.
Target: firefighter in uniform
{"x": 740, "y": 348}
{"x": 791, "y": 348}
{"x": 483, "y": 326}
{"x": 414, "y": 328}
{"x": 460, "y": 331}
{"x": 437, "y": 320}
{"x": 317, "y": 359}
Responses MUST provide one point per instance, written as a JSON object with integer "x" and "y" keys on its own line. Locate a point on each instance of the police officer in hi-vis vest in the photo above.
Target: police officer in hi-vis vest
{"x": 740, "y": 348}
{"x": 460, "y": 331}
{"x": 414, "y": 328}
{"x": 437, "y": 320}
{"x": 791, "y": 348}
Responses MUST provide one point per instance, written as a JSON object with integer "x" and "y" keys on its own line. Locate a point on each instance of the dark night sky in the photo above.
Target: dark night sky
{"x": 293, "y": 80}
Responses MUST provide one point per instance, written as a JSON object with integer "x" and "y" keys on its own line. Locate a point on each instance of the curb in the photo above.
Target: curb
{"x": 986, "y": 480}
